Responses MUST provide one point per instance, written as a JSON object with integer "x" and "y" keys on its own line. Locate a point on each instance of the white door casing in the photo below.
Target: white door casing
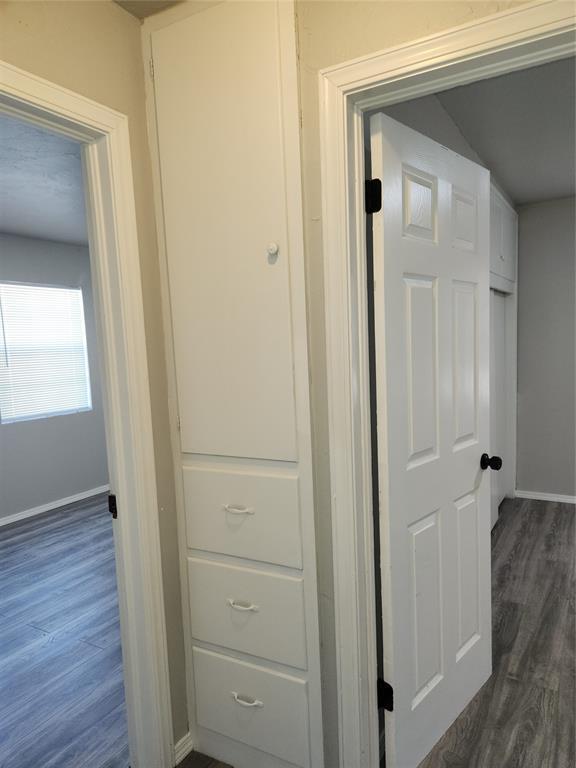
{"x": 224, "y": 222}
{"x": 115, "y": 266}
{"x": 431, "y": 286}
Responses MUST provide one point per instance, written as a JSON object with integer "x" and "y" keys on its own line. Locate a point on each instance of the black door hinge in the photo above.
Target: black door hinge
{"x": 385, "y": 695}
{"x": 373, "y": 195}
{"x": 112, "y": 505}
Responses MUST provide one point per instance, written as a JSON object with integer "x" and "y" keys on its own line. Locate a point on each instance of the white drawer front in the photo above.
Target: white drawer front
{"x": 244, "y": 514}
{"x": 266, "y": 709}
{"x": 247, "y": 610}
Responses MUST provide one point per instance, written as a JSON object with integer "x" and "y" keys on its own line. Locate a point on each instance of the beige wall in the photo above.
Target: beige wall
{"x": 93, "y": 48}
{"x": 330, "y": 33}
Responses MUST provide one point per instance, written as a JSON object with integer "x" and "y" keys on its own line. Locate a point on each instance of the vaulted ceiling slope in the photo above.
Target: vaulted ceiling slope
{"x": 41, "y": 187}
{"x": 523, "y": 125}
{"x": 143, "y": 8}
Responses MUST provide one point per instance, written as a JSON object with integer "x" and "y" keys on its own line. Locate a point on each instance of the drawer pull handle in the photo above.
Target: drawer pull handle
{"x": 246, "y": 701}
{"x": 235, "y": 509}
{"x": 240, "y": 606}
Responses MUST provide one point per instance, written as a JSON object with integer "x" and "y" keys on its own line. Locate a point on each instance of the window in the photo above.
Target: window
{"x": 43, "y": 358}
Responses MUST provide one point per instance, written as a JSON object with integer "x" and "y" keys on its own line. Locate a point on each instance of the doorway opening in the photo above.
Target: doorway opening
{"x": 61, "y": 658}
{"x": 115, "y": 280}
{"x": 517, "y": 39}
{"x": 496, "y": 124}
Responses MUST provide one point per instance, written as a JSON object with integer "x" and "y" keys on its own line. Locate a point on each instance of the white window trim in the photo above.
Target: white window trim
{"x": 119, "y": 313}
{"x": 525, "y": 36}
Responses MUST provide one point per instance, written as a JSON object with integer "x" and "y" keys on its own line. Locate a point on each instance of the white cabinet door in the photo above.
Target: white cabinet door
{"x": 503, "y": 236}
{"x": 224, "y": 199}
{"x": 432, "y": 324}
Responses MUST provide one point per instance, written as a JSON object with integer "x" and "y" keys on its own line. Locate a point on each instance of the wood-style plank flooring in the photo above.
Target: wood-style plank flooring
{"x": 525, "y": 715}
{"x": 61, "y": 691}
{"x": 61, "y": 686}
{"x": 196, "y": 760}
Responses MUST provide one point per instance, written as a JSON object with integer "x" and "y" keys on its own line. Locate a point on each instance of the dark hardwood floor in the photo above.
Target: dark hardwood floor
{"x": 61, "y": 686}
{"x": 525, "y": 715}
{"x": 196, "y": 760}
{"x": 61, "y": 690}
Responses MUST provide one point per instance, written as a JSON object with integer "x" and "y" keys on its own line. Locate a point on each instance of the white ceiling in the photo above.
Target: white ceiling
{"x": 522, "y": 125}
{"x": 41, "y": 188}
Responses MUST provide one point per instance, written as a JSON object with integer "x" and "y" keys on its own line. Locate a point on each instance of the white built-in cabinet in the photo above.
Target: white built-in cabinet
{"x": 503, "y": 309}
{"x": 503, "y": 236}
{"x": 224, "y": 113}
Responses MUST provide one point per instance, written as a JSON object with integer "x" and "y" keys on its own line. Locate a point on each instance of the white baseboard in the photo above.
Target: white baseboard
{"x": 53, "y": 505}
{"x": 540, "y": 496}
{"x": 183, "y": 748}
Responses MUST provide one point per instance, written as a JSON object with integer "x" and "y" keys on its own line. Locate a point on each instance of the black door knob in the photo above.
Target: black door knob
{"x": 494, "y": 462}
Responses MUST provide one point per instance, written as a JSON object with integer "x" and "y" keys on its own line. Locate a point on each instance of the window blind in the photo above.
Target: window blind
{"x": 43, "y": 356}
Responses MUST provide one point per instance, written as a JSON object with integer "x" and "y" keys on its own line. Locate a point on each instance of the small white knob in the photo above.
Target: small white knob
{"x": 273, "y": 249}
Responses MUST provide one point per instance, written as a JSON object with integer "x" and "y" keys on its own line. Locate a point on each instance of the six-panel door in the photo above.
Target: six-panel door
{"x": 431, "y": 266}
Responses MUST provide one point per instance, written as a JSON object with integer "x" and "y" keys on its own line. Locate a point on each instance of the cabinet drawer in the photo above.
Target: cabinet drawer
{"x": 247, "y": 610}
{"x": 260, "y": 707}
{"x": 244, "y": 514}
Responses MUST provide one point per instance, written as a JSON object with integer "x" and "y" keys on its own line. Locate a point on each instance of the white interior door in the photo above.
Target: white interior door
{"x": 432, "y": 325}
{"x": 499, "y": 384}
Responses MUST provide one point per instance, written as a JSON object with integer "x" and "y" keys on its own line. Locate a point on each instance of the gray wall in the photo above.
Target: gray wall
{"x": 44, "y": 460}
{"x": 427, "y": 116}
{"x": 546, "y": 348}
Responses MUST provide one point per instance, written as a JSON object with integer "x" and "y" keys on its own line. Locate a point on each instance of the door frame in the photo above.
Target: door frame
{"x": 115, "y": 266}
{"x": 525, "y": 36}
